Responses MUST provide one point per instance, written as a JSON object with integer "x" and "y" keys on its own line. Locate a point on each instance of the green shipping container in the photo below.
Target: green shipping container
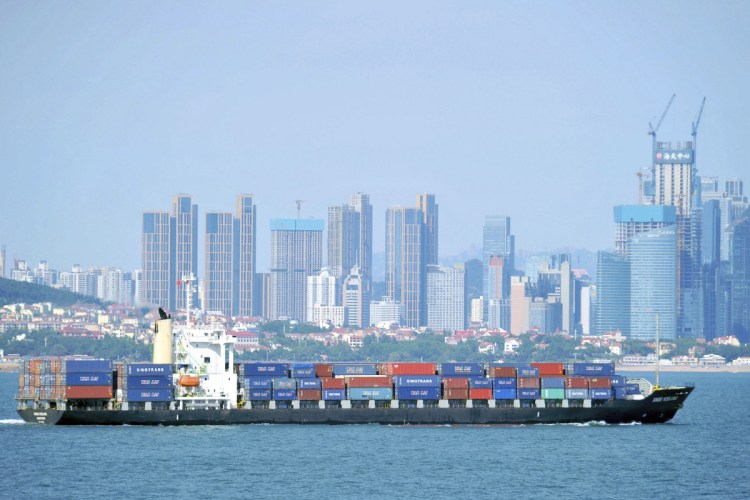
{"x": 553, "y": 393}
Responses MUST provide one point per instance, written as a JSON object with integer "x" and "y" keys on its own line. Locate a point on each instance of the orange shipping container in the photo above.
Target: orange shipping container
{"x": 480, "y": 393}
{"x": 88, "y": 392}
{"x": 456, "y": 383}
{"x": 528, "y": 383}
{"x": 503, "y": 372}
{"x": 369, "y": 382}
{"x": 549, "y": 368}
{"x": 600, "y": 383}
{"x": 333, "y": 383}
{"x": 309, "y": 395}
{"x": 323, "y": 370}
{"x": 456, "y": 393}
{"x": 577, "y": 383}
{"x": 408, "y": 369}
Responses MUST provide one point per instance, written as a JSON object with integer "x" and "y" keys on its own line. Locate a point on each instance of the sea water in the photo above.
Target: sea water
{"x": 703, "y": 452}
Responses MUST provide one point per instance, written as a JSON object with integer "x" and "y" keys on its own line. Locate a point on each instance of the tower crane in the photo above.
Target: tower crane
{"x": 652, "y": 132}
{"x": 693, "y": 175}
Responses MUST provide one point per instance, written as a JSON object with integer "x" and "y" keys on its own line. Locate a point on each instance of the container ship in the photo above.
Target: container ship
{"x": 193, "y": 380}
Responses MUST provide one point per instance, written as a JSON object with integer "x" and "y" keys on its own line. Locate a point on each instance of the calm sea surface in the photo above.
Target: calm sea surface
{"x": 703, "y": 452}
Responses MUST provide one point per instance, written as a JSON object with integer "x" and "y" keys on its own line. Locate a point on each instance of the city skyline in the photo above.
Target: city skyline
{"x": 502, "y": 108}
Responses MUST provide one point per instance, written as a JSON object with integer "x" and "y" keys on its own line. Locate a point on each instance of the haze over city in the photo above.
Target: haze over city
{"x": 539, "y": 112}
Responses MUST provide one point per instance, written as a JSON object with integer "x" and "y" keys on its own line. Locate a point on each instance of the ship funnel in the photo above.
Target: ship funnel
{"x": 163, "y": 342}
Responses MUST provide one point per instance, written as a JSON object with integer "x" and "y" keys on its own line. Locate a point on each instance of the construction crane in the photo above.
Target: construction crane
{"x": 694, "y": 133}
{"x": 299, "y": 207}
{"x": 652, "y": 132}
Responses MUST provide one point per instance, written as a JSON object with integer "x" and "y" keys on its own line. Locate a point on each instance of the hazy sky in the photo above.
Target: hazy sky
{"x": 537, "y": 110}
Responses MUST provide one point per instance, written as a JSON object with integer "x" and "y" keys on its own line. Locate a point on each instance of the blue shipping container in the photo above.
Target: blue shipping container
{"x": 76, "y": 378}
{"x": 416, "y": 380}
{"x": 576, "y": 393}
{"x": 284, "y": 395}
{"x": 601, "y": 393}
{"x": 259, "y": 395}
{"x": 258, "y": 383}
{"x": 418, "y": 393}
{"x": 528, "y": 371}
{"x": 308, "y": 383}
{"x": 480, "y": 383}
{"x": 461, "y": 369}
{"x": 505, "y": 383}
{"x": 153, "y": 382}
{"x": 285, "y": 383}
{"x": 88, "y": 365}
{"x": 553, "y": 383}
{"x": 620, "y": 392}
{"x": 264, "y": 369}
{"x": 334, "y": 394}
{"x": 149, "y": 369}
{"x": 618, "y": 380}
{"x": 139, "y": 395}
{"x": 504, "y": 393}
{"x": 364, "y": 394}
{"x": 302, "y": 371}
{"x": 632, "y": 389}
{"x": 591, "y": 369}
{"x": 528, "y": 393}
{"x": 358, "y": 369}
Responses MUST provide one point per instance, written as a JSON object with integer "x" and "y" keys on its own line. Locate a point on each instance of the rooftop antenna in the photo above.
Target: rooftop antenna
{"x": 299, "y": 207}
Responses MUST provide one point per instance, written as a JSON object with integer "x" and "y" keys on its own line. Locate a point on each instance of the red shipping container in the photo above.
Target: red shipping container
{"x": 480, "y": 393}
{"x": 600, "y": 383}
{"x": 369, "y": 382}
{"x": 333, "y": 383}
{"x": 89, "y": 392}
{"x": 309, "y": 395}
{"x": 503, "y": 372}
{"x": 577, "y": 383}
{"x": 549, "y": 368}
{"x": 456, "y": 383}
{"x": 456, "y": 394}
{"x": 408, "y": 369}
{"x": 323, "y": 370}
{"x": 528, "y": 383}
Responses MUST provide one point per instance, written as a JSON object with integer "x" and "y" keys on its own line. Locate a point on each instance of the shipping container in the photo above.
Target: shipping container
{"x": 141, "y": 395}
{"x": 480, "y": 393}
{"x": 621, "y": 392}
{"x": 504, "y": 393}
{"x": 259, "y": 395}
{"x": 456, "y": 383}
{"x": 308, "y": 383}
{"x": 527, "y": 383}
{"x": 257, "y": 382}
{"x": 264, "y": 369}
{"x": 333, "y": 383}
{"x": 369, "y": 382}
{"x": 600, "y": 383}
{"x": 284, "y": 394}
{"x": 410, "y": 393}
{"x": 528, "y": 393}
{"x": 461, "y": 369}
{"x": 455, "y": 393}
{"x": 408, "y": 369}
{"x": 480, "y": 383}
{"x": 152, "y": 382}
{"x": 302, "y": 370}
{"x": 601, "y": 393}
{"x": 577, "y": 383}
{"x": 355, "y": 369}
{"x": 503, "y": 371}
{"x": 577, "y": 393}
{"x": 88, "y": 392}
{"x": 553, "y": 383}
{"x": 377, "y": 393}
{"x": 149, "y": 369}
{"x": 334, "y": 394}
{"x": 617, "y": 380}
{"x": 591, "y": 369}
{"x": 323, "y": 370}
{"x": 416, "y": 381}
{"x": 86, "y": 366}
{"x": 549, "y": 369}
{"x": 555, "y": 393}
{"x": 632, "y": 389}
{"x": 527, "y": 371}
{"x": 289, "y": 384}
{"x": 309, "y": 394}
{"x": 505, "y": 383}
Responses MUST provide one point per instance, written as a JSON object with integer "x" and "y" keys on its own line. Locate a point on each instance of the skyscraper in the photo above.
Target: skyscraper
{"x": 711, "y": 256}
{"x": 426, "y": 204}
{"x": 296, "y": 253}
{"x": 230, "y": 259}
{"x": 321, "y": 292}
{"x": 360, "y": 202}
{"x": 631, "y": 220}
{"x": 356, "y": 300}
{"x": 613, "y": 294}
{"x": 497, "y": 242}
{"x": 185, "y": 246}
{"x": 405, "y": 262}
{"x": 445, "y": 298}
{"x": 740, "y": 310}
{"x": 158, "y": 285}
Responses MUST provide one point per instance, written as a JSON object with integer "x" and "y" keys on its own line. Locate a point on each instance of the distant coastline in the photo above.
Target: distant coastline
{"x": 685, "y": 369}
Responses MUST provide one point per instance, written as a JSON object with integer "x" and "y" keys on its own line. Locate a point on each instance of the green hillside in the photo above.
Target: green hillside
{"x": 14, "y": 292}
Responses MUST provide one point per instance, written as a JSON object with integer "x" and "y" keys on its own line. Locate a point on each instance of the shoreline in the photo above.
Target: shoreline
{"x": 684, "y": 369}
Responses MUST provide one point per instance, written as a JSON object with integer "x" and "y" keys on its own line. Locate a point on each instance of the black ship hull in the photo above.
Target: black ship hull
{"x": 659, "y": 407}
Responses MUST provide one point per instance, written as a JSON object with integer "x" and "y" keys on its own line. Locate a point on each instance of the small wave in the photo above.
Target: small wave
{"x": 11, "y": 421}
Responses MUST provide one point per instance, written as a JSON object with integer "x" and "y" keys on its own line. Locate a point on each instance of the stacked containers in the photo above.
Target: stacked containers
{"x": 455, "y": 388}
{"x": 480, "y": 388}
{"x": 256, "y": 379}
{"x": 41, "y": 379}
{"x": 149, "y": 382}
{"x": 284, "y": 389}
{"x": 504, "y": 387}
{"x": 88, "y": 379}
{"x": 553, "y": 387}
{"x": 309, "y": 389}
{"x": 415, "y": 387}
{"x": 576, "y": 388}
{"x": 334, "y": 389}
{"x": 365, "y": 388}
{"x": 528, "y": 387}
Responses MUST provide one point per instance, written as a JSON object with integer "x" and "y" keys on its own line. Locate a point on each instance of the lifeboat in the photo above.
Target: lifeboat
{"x": 190, "y": 380}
